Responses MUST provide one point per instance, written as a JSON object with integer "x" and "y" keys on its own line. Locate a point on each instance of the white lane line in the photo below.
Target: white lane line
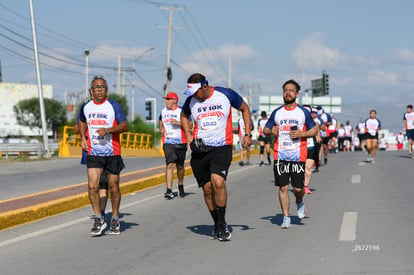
{"x": 84, "y": 219}
{"x": 362, "y": 163}
{"x": 356, "y": 179}
{"x": 348, "y": 227}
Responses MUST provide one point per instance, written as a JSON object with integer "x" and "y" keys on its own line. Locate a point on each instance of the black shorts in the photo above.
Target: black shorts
{"x": 175, "y": 153}
{"x": 369, "y": 136}
{"x": 313, "y": 152}
{"x": 325, "y": 140}
{"x": 333, "y": 134}
{"x": 216, "y": 160}
{"x": 285, "y": 170}
{"x": 265, "y": 139}
{"x": 362, "y": 136}
{"x": 410, "y": 134}
{"x": 112, "y": 164}
{"x": 103, "y": 181}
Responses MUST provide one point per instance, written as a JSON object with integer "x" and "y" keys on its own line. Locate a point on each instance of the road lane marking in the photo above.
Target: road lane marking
{"x": 362, "y": 163}
{"x": 356, "y": 179}
{"x": 348, "y": 227}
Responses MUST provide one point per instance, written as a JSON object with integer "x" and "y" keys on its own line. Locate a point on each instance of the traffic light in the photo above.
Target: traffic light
{"x": 148, "y": 107}
{"x": 325, "y": 84}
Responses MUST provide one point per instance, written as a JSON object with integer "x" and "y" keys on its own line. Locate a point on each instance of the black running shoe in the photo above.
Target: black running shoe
{"x": 99, "y": 225}
{"x": 215, "y": 234}
{"x": 115, "y": 227}
{"x": 223, "y": 233}
{"x": 169, "y": 194}
{"x": 181, "y": 191}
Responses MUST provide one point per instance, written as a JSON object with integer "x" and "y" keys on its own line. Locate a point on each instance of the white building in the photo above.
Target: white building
{"x": 11, "y": 94}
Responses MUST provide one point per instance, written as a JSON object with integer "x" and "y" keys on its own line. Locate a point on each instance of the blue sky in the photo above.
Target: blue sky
{"x": 366, "y": 47}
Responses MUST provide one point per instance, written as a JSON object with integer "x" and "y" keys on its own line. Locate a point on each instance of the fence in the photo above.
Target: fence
{"x": 19, "y": 149}
{"x": 132, "y": 144}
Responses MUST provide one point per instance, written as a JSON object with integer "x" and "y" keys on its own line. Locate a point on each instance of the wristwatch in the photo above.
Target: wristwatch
{"x": 107, "y": 131}
{"x": 248, "y": 135}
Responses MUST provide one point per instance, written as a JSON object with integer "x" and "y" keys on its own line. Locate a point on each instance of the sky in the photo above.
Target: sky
{"x": 366, "y": 47}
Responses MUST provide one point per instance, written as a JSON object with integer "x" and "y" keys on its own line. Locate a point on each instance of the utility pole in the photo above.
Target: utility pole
{"x": 118, "y": 84}
{"x": 168, "y": 72}
{"x": 39, "y": 83}
{"x": 229, "y": 85}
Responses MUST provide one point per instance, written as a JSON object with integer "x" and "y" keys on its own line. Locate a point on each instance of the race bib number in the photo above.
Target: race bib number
{"x": 372, "y": 132}
{"x": 209, "y": 123}
{"x": 171, "y": 134}
{"x": 311, "y": 143}
{"x": 288, "y": 143}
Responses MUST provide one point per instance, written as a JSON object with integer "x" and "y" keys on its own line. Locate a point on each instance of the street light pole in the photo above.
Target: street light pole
{"x": 87, "y": 73}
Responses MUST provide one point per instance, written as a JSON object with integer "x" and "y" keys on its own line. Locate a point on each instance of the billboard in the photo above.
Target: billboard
{"x": 11, "y": 94}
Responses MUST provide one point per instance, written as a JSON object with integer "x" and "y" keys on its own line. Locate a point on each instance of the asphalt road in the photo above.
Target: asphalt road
{"x": 359, "y": 221}
{"x": 24, "y": 178}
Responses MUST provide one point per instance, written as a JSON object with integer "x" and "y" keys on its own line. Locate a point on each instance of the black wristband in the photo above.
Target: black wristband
{"x": 248, "y": 135}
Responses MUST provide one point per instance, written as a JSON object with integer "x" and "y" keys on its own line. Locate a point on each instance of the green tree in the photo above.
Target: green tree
{"x": 28, "y": 114}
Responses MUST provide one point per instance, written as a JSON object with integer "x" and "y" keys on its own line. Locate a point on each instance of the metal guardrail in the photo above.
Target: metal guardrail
{"x": 32, "y": 149}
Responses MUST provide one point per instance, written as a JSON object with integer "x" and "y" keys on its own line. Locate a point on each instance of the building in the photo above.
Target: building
{"x": 11, "y": 94}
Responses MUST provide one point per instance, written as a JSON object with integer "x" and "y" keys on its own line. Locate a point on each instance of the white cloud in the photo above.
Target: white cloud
{"x": 404, "y": 55}
{"x": 311, "y": 53}
{"x": 377, "y": 77}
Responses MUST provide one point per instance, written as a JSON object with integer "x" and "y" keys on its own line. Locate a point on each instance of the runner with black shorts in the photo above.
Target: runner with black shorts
{"x": 264, "y": 141}
{"x": 104, "y": 120}
{"x": 174, "y": 143}
{"x": 409, "y": 128}
{"x": 372, "y": 126}
{"x": 211, "y": 142}
{"x": 314, "y": 144}
{"x": 292, "y": 125}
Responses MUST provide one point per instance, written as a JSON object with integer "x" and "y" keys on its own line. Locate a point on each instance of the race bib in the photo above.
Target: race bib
{"x": 209, "y": 123}
{"x": 311, "y": 143}
{"x": 171, "y": 134}
{"x": 372, "y": 132}
{"x": 288, "y": 143}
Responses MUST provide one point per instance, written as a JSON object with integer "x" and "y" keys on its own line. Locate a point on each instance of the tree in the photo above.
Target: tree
{"x": 28, "y": 114}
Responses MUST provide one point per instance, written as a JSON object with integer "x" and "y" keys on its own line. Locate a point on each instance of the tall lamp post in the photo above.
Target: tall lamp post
{"x": 87, "y": 72}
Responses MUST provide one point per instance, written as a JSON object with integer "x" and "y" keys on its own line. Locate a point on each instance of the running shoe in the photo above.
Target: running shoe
{"x": 301, "y": 210}
{"x": 410, "y": 155}
{"x": 223, "y": 233}
{"x": 247, "y": 163}
{"x": 285, "y": 223}
{"x": 261, "y": 163}
{"x": 307, "y": 190}
{"x": 372, "y": 160}
{"x": 369, "y": 159}
{"x": 99, "y": 225}
{"x": 115, "y": 228}
{"x": 169, "y": 194}
{"x": 181, "y": 191}
{"x": 241, "y": 163}
{"x": 215, "y": 234}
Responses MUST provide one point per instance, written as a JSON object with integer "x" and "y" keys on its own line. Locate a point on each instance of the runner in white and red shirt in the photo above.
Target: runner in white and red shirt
{"x": 211, "y": 142}
{"x": 361, "y": 133}
{"x": 409, "y": 128}
{"x": 264, "y": 141}
{"x": 292, "y": 125}
{"x": 372, "y": 126}
{"x": 104, "y": 120}
{"x": 174, "y": 143}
